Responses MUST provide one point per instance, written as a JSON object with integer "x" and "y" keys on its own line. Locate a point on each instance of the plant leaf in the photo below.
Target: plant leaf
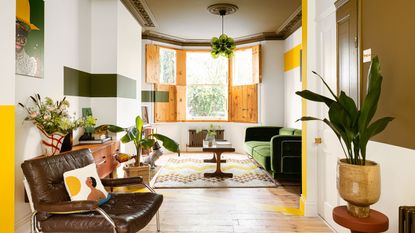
{"x": 378, "y": 126}
{"x": 167, "y": 143}
{"x": 328, "y": 87}
{"x": 147, "y": 143}
{"x": 370, "y": 103}
{"x": 139, "y": 126}
{"x": 306, "y": 94}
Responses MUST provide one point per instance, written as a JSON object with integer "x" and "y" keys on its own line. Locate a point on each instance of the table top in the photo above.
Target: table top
{"x": 224, "y": 147}
{"x": 376, "y": 222}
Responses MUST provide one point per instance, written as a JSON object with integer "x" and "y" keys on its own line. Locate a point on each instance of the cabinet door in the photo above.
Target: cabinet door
{"x": 347, "y": 50}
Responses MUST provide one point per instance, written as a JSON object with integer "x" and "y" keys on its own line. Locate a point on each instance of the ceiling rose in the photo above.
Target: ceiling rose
{"x": 222, "y": 9}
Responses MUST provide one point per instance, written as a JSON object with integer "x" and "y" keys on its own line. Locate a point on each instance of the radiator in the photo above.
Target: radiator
{"x": 196, "y": 139}
{"x": 407, "y": 219}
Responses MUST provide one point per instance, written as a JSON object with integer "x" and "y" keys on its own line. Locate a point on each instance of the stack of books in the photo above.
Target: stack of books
{"x": 95, "y": 141}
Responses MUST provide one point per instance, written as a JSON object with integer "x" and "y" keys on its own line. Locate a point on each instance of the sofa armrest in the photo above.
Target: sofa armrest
{"x": 65, "y": 207}
{"x": 261, "y": 133}
{"x": 117, "y": 182}
{"x": 284, "y": 146}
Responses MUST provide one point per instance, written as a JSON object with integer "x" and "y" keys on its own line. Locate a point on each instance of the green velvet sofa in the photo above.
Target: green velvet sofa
{"x": 276, "y": 149}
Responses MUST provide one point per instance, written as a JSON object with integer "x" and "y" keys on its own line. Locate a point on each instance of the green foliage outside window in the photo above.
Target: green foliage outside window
{"x": 167, "y": 66}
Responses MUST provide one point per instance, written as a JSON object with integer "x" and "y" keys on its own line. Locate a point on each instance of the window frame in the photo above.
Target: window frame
{"x": 181, "y": 83}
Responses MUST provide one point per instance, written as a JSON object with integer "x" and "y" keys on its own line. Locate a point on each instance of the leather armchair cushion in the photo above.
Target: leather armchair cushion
{"x": 122, "y": 181}
{"x": 67, "y": 206}
{"x": 130, "y": 212}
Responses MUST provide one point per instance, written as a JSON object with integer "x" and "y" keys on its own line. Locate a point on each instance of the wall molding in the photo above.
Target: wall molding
{"x": 289, "y": 26}
{"x": 141, "y": 12}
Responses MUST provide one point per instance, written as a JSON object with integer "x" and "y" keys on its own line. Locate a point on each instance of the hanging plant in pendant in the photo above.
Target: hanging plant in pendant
{"x": 224, "y": 45}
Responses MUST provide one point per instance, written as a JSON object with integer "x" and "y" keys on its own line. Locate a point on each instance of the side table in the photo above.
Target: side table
{"x": 376, "y": 222}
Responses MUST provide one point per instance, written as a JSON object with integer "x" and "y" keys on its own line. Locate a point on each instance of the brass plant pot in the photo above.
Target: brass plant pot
{"x": 359, "y": 186}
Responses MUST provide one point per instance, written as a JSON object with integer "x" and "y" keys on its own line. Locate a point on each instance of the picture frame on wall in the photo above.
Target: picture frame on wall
{"x": 144, "y": 115}
{"x": 29, "y": 46}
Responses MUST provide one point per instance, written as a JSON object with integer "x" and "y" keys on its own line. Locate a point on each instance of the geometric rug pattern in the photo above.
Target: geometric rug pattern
{"x": 187, "y": 172}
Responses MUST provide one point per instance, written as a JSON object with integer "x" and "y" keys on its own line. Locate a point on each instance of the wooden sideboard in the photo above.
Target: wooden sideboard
{"x": 104, "y": 156}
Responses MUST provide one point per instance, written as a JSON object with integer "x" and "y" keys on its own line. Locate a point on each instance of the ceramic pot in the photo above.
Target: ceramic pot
{"x": 67, "y": 143}
{"x": 51, "y": 143}
{"x": 359, "y": 186}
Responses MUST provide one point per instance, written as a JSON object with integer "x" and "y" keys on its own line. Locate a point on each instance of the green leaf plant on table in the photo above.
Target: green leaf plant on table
{"x": 358, "y": 179}
{"x": 135, "y": 134}
{"x": 352, "y": 126}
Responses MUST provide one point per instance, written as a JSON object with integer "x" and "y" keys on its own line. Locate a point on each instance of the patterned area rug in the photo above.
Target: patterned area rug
{"x": 187, "y": 172}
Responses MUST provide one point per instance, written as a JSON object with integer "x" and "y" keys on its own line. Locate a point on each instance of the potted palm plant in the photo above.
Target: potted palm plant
{"x": 135, "y": 134}
{"x": 358, "y": 180}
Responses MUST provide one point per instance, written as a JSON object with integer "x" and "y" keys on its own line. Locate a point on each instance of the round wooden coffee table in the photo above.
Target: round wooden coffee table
{"x": 376, "y": 222}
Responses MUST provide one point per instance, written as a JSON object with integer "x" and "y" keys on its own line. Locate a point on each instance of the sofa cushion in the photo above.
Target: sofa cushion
{"x": 262, "y": 154}
{"x": 297, "y": 132}
{"x": 250, "y": 145}
{"x": 286, "y": 131}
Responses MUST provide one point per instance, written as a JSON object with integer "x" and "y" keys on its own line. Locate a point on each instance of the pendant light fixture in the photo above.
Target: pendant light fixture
{"x": 224, "y": 45}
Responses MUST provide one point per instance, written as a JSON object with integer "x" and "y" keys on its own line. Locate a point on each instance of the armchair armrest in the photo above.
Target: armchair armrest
{"x": 284, "y": 146}
{"x": 67, "y": 206}
{"x": 122, "y": 181}
{"x": 261, "y": 133}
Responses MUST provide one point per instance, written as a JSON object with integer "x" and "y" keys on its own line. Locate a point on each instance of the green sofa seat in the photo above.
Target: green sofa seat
{"x": 276, "y": 149}
{"x": 262, "y": 154}
{"x": 249, "y": 146}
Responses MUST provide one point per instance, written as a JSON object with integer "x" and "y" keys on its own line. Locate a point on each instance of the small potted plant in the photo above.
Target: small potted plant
{"x": 358, "y": 178}
{"x": 135, "y": 134}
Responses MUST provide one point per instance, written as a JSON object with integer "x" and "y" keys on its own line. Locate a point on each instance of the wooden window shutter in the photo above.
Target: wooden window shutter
{"x": 165, "y": 103}
{"x": 152, "y": 63}
{"x": 181, "y": 85}
{"x": 244, "y": 103}
{"x": 256, "y": 64}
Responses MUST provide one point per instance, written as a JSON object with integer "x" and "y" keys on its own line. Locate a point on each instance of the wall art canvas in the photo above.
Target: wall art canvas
{"x": 30, "y": 38}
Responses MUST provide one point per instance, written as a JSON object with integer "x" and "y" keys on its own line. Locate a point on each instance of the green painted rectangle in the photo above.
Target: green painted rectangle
{"x": 76, "y": 82}
{"x": 126, "y": 87}
{"x": 80, "y": 83}
{"x": 103, "y": 85}
{"x": 155, "y": 96}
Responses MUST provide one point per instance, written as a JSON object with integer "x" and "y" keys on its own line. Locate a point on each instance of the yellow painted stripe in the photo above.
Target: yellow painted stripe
{"x": 7, "y": 137}
{"x": 292, "y": 58}
{"x": 304, "y": 105}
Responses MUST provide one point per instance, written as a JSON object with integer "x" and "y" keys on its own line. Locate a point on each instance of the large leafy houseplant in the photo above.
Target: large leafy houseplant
{"x": 135, "y": 134}
{"x": 353, "y": 127}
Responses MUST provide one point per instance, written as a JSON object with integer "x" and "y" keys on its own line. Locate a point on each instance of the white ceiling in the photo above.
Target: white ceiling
{"x": 189, "y": 19}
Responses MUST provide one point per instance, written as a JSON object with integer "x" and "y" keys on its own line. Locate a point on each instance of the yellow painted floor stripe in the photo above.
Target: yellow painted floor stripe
{"x": 7, "y": 138}
{"x": 292, "y": 58}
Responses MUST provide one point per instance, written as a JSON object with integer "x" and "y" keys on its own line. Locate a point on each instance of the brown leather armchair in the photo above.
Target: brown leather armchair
{"x": 54, "y": 212}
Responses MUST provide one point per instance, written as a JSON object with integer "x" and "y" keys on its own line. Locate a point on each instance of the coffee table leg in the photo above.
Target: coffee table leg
{"x": 213, "y": 160}
{"x": 218, "y": 172}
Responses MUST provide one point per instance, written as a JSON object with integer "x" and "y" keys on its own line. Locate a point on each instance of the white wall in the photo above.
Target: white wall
{"x": 396, "y": 162}
{"x": 272, "y": 86}
{"x": 7, "y": 55}
{"x": 292, "y": 83}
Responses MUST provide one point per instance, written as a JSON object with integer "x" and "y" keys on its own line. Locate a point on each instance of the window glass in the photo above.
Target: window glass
{"x": 167, "y": 66}
{"x": 207, "y": 86}
{"x": 242, "y": 67}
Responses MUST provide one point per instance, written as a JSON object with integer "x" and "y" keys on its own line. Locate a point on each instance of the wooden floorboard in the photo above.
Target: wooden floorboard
{"x": 232, "y": 210}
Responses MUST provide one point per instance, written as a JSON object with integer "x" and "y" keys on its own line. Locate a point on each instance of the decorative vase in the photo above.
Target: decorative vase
{"x": 67, "y": 142}
{"x": 210, "y": 139}
{"x": 51, "y": 143}
{"x": 359, "y": 186}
